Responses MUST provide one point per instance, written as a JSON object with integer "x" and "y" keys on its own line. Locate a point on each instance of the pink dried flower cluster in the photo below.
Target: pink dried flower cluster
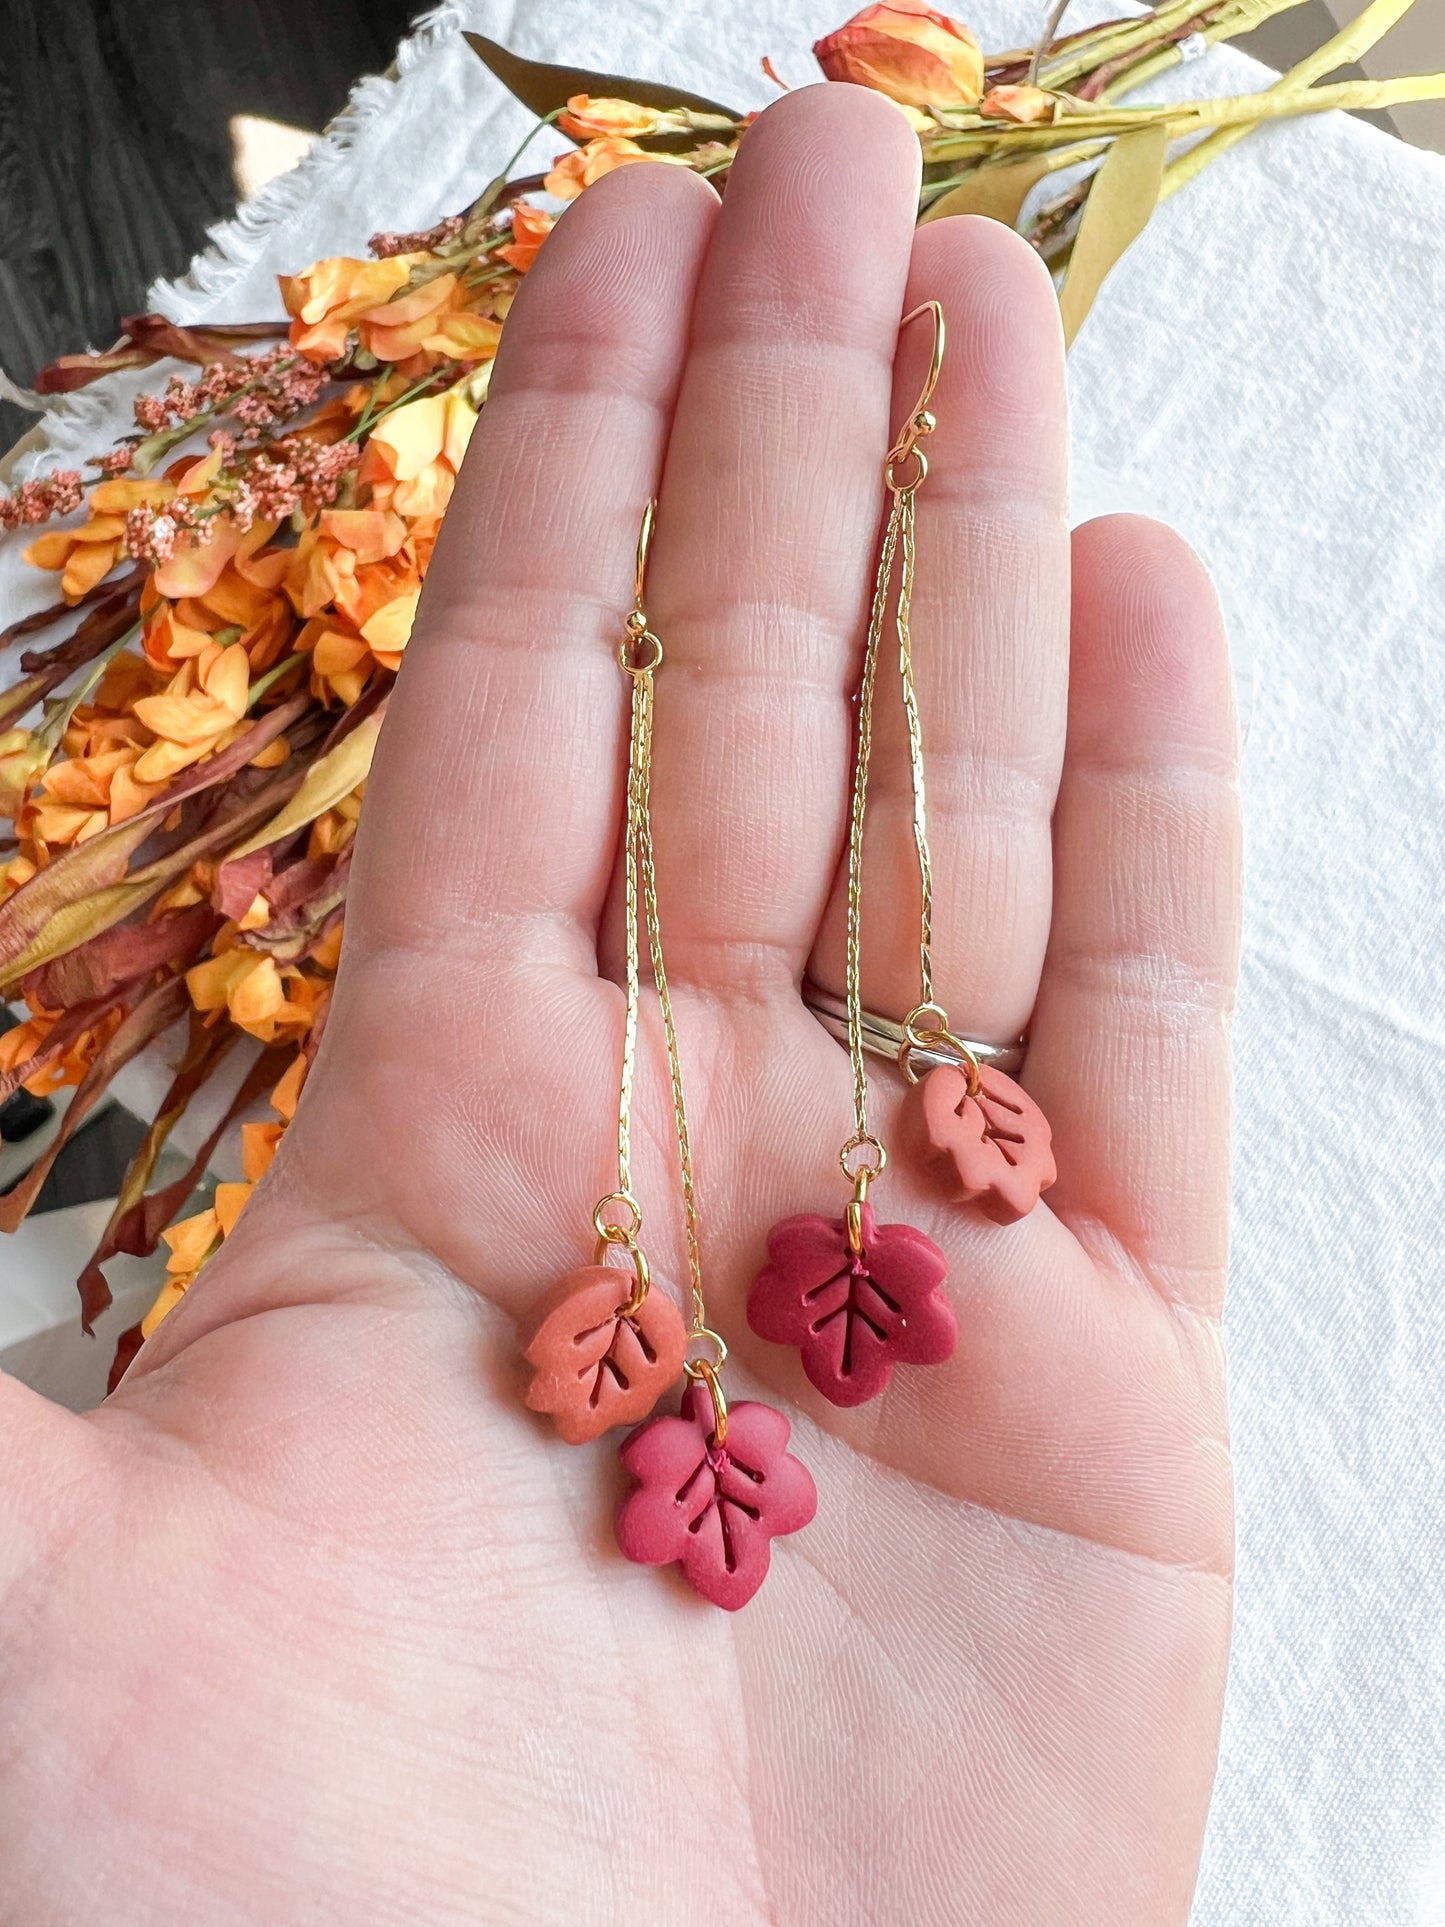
{"x": 150, "y": 533}
{"x": 260, "y": 391}
{"x": 38, "y": 501}
{"x": 427, "y": 241}
{"x": 116, "y": 460}
{"x": 267, "y": 487}
{"x": 291, "y": 474}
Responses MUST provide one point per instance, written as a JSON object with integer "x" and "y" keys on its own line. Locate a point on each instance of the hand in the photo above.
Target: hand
{"x": 312, "y": 1622}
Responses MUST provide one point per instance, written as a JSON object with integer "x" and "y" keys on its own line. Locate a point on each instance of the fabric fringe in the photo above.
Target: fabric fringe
{"x": 234, "y": 244}
{"x": 73, "y": 426}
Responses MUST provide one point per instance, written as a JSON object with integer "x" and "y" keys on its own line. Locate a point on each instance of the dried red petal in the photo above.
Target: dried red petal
{"x": 713, "y": 1510}
{"x": 993, "y": 1149}
{"x": 593, "y": 1368}
{"x": 853, "y": 1316}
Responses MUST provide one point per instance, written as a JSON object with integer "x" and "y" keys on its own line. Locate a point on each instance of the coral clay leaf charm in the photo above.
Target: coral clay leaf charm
{"x": 713, "y": 1509}
{"x": 853, "y": 1316}
{"x": 994, "y": 1149}
{"x": 595, "y": 1368}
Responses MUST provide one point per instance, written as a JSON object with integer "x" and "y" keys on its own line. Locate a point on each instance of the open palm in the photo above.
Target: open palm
{"x": 313, "y": 1622}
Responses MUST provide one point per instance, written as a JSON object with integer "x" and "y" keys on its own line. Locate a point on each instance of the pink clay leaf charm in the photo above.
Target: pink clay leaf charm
{"x": 595, "y": 1368}
{"x": 994, "y": 1149}
{"x": 853, "y": 1316}
{"x": 713, "y": 1509}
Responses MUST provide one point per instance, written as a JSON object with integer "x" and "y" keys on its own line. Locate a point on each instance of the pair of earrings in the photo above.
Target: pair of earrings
{"x": 714, "y": 1485}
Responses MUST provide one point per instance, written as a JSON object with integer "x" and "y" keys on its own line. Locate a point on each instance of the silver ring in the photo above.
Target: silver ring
{"x": 884, "y": 1038}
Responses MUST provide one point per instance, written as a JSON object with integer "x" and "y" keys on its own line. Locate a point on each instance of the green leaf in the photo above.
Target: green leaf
{"x": 997, "y": 190}
{"x": 1121, "y": 200}
{"x": 544, "y": 88}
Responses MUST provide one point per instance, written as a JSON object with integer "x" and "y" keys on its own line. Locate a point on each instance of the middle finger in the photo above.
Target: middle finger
{"x": 766, "y": 523}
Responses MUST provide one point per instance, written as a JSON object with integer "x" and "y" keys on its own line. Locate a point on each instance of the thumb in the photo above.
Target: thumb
{"x": 50, "y": 1458}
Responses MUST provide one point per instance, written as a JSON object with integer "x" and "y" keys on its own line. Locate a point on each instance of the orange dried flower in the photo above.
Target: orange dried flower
{"x": 196, "y": 713}
{"x": 907, "y": 51}
{"x": 584, "y": 165}
{"x": 22, "y": 1040}
{"x": 82, "y": 795}
{"x": 329, "y": 299}
{"x": 413, "y": 457}
{"x": 246, "y": 595}
{"x": 287, "y": 1093}
{"x": 429, "y": 323}
{"x": 259, "y": 996}
{"x": 530, "y": 228}
{"x": 258, "y": 1148}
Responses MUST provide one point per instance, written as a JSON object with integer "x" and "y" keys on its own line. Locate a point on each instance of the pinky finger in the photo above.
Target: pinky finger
{"x": 1129, "y": 1052}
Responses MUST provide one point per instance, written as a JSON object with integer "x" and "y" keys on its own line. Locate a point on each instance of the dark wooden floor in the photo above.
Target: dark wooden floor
{"x": 114, "y": 150}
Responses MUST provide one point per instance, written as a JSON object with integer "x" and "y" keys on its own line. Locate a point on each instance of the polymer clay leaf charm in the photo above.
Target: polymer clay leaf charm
{"x": 713, "y": 1509}
{"x": 853, "y": 1315}
{"x": 993, "y": 1148}
{"x": 596, "y": 1366}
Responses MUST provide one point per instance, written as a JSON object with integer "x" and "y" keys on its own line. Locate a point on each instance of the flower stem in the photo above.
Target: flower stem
{"x": 263, "y": 683}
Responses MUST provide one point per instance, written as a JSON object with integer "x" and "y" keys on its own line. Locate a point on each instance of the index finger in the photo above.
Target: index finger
{"x": 492, "y": 809}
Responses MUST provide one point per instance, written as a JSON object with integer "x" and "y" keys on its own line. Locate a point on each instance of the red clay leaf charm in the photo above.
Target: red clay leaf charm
{"x": 993, "y": 1149}
{"x": 714, "y": 1510}
{"x": 593, "y": 1367}
{"x": 853, "y": 1316}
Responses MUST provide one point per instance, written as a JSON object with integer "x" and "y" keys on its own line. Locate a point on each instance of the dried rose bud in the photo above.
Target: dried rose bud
{"x": 907, "y": 51}
{"x": 1022, "y": 103}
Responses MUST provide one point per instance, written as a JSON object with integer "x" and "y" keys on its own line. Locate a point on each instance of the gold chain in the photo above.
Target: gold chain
{"x": 903, "y": 470}
{"x": 915, "y": 748}
{"x": 669, "y": 1023}
{"x": 861, "y": 1133}
{"x": 641, "y": 655}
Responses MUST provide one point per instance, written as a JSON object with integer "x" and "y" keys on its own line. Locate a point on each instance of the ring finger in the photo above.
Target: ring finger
{"x": 990, "y": 644}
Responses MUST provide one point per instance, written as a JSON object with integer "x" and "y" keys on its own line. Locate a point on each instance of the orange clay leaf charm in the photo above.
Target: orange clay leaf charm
{"x": 991, "y": 1144}
{"x": 594, "y": 1364}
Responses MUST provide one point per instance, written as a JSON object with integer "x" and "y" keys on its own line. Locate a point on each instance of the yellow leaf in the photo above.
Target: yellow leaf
{"x": 998, "y": 191}
{"x": 329, "y": 779}
{"x": 74, "y": 923}
{"x": 1120, "y": 202}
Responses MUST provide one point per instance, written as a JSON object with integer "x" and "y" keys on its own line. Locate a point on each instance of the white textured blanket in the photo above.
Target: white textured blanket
{"x": 1265, "y": 371}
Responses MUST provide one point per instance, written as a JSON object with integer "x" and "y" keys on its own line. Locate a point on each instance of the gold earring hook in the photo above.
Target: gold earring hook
{"x": 644, "y": 543}
{"x": 920, "y": 422}
{"x": 640, "y": 652}
{"x": 935, "y": 365}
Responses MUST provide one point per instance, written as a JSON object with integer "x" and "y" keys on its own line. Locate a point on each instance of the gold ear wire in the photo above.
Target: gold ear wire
{"x": 920, "y": 422}
{"x": 644, "y": 543}
{"x": 935, "y": 308}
